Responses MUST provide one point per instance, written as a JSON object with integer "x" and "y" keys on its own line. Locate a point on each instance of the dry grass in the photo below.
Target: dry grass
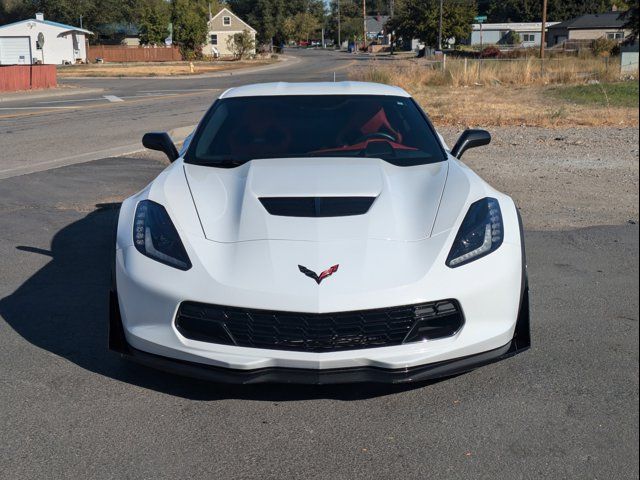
{"x": 155, "y": 69}
{"x": 473, "y": 72}
{"x": 502, "y": 92}
{"x": 504, "y": 106}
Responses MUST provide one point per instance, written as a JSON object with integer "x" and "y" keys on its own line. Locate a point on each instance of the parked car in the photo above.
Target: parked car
{"x": 318, "y": 233}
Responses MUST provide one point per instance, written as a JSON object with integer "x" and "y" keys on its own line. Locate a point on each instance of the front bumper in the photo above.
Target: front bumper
{"x": 520, "y": 342}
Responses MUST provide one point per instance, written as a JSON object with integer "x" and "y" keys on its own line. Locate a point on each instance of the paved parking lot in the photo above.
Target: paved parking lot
{"x": 69, "y": 408}
{"x": 568, "y": 408}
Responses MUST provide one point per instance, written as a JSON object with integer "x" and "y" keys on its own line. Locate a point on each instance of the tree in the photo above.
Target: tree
{"x": 350, "y": 20}
{"x": 241, "y": 44}
{"x": 305, "y": 24}
{"x": 190, "y": 28}
{"x": 632, "y": 20}
{"x": 271, "y": 17}
{"x": 154, "y": 18}
{"x": 557, "y": 10}
{"x": 420, "y": 19}
{"x": 95, "y": 13}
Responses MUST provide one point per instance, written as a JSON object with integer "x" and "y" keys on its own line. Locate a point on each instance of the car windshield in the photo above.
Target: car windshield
{"x": 237, "y": 130}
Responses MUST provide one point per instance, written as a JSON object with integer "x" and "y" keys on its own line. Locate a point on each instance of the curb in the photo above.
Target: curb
{"x": 282, "y": 62}
{"x": 36, "y": 94}
{"x": 178, "y": 135}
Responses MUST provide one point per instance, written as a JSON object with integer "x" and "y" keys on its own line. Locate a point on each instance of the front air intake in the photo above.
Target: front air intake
{"x": 317, "y": 207}
{"x": 319, "y": 332}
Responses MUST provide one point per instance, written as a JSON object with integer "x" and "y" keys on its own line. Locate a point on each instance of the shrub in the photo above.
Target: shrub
{"x": 491, "y": 52}
{"x": 602, "y": 47}
{"x": 616, "y": 51}
{"x": 511, "y": 38}
{"x": 241, "y": 45}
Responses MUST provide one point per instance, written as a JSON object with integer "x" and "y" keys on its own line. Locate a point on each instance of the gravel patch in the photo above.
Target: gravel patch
{"x": 562, "y": 178}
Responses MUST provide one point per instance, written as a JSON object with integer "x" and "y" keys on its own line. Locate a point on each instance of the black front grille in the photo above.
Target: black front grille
{"x": 309, "y": 332}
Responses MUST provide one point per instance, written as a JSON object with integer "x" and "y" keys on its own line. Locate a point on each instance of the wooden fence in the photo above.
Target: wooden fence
{"x": 121, "y": 54}
{"x": 27, "y": 77}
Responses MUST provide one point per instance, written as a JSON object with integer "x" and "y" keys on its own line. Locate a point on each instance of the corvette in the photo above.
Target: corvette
{"x": 318, "y": 233}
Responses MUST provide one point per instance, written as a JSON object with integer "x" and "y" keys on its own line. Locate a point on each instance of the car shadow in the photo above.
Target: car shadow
{"x": 63, "y": 309}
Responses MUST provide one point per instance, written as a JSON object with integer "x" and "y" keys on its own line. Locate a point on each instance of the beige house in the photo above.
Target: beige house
{"x": 589, "y": 27}
{"x": 223, "y": 26}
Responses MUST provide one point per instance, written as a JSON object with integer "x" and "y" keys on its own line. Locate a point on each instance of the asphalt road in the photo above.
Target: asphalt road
{"x": 40, "y": 133}
{"x": 568, "y": 408}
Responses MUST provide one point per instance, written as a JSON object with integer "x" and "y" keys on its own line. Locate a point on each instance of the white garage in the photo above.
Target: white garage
{"x": 41, "y": 41}
{"x": 15, "y": 51}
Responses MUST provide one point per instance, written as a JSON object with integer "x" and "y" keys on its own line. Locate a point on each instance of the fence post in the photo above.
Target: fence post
{"x": 444, "y": 62}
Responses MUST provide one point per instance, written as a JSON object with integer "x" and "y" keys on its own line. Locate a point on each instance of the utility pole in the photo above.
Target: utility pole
{"x": 364, "y": 18}
{"x": 391, "y": 12}
{"x": 440, "y": 28}
{"x": 80, "y": 21}
{"x": 339, "y": 28}
{"x": 544, "y": 29}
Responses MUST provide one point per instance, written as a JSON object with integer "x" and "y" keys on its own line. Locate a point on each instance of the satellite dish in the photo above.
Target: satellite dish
{"x": 41, "y": 39}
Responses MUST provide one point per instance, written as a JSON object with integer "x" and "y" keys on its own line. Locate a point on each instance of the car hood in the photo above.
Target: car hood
{"x": 404, "y": 208}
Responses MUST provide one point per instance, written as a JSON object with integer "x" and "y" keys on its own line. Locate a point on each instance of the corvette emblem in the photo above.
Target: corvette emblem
{"x": 318, "y": 278}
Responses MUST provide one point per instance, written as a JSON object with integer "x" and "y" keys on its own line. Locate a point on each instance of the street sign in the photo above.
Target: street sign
{"x": 480, "y": 19}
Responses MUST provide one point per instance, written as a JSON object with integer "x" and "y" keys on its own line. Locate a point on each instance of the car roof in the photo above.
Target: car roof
{"x": 314, "y": 88}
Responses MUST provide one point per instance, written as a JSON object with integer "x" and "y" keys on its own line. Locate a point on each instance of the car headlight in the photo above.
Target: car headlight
{"x": 480, "y": 234}
{"x": 155, "y": 236}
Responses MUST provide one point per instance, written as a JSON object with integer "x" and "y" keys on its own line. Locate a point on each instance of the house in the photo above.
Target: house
{"x": 589, "y": 27}
{"x": 496, "y": 33}
{"x": 42, "y": 41}
{"x": 376, "y": 28}
{"x": 222, "y": 26}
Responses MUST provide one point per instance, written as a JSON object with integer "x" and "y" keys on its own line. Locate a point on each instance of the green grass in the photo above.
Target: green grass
{"x": 622, "y": 94}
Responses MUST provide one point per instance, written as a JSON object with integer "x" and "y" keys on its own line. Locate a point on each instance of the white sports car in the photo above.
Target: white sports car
{"x": 318, "y": 233}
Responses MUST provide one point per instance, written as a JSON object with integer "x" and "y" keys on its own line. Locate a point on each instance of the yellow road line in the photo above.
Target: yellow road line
{"x": 338, "y": 69}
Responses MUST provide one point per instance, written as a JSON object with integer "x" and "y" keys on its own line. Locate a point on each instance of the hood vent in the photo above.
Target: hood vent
{"x": 317, "y": 207}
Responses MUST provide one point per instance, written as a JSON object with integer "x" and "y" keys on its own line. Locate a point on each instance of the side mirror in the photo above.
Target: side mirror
{"x": 161, "y": 142}
{"x": 470, "y": 139}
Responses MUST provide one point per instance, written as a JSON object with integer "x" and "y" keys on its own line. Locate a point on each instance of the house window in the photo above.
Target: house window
{"x": 528, "y": 37}
{"x": 615, "y": 35}
{"x": 214, "y": 39}
{"x": 226, "y": 21}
